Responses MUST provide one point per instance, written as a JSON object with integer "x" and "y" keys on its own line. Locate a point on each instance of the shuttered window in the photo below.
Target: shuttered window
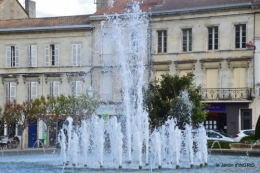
{"x": 10, "y": 90}
{"x": 12, "y": 56}
{"x": 54, "y": 88}
{"x": 106, "y": 86}
{"x": 76, "y": 88}
{"x": 52, "y": 55}
{"x": 76, "y": 54}
{"x": 159, "y": 74}
{"x": 212, "y": 78}
{"x": 32, "y": 56}
{"x": 185, "y": 72}
{"x": 32, "y": 91}
{"x": 239, "y": 77}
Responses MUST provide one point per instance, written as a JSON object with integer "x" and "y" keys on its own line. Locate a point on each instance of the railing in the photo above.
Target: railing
{"x": 226, "y": 93}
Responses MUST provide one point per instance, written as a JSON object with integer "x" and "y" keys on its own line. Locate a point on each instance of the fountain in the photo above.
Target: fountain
{"x": 127, "y": 144}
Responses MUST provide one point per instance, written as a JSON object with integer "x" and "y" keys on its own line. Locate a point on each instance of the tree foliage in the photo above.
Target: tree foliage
{"x": 163, "y": 100}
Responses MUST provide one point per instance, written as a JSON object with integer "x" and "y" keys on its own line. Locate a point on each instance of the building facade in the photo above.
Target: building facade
{"x": 43, "y": 56}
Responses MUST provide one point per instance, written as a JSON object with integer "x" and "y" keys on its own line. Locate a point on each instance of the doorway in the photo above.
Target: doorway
{"x": 246, "y": 119}
{"x": 32, "y": 135}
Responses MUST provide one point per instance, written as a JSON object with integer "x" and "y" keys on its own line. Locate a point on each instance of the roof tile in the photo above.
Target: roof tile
{"x": 43, "y": 22}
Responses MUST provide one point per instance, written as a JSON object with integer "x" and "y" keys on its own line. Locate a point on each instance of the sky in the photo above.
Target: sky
{"x": 51, "y": 8}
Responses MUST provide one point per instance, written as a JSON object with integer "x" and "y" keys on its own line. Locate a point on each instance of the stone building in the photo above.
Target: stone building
{"x": 215, "y": 40}
{"x": 43, "y": 56}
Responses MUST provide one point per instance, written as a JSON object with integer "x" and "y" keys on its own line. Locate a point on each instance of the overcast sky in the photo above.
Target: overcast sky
{"x": 50, "y": 8}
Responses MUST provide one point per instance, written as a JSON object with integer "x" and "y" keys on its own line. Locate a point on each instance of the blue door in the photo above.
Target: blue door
{"x": 32, "y": 134}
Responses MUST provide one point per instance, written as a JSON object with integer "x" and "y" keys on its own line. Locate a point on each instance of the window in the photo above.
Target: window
{"x": 32, "y": 91}
{"x": 134, "y": 45}
{"x": 212, "y": 78}
{"x": 76, "y": 54}
{"x": 106, "y": 85}
{"x": 187, "y": 40}
{"x": 52, "y": 55}
{"x": 240, "y": 36}
{"x": 162, "y": 41}
{"x": 76, "y": 88}
{"x": 213, "y": 38}
{"x": 10, "y": 89}
{"x": 12, "y": 56}
{"x": 54, "y": 88}
{"x": 32, "y": 56}
{"x": 107, "y": 49}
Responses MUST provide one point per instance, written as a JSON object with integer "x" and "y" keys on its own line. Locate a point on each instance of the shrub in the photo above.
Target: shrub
{"x": 257, "y": 129}
{"x": 223, "y": 144}
{"x": 248, "y": 139}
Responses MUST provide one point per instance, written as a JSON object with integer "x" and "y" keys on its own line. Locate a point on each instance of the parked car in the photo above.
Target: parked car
{"x": 243, "y": 133}
{"x": 214, "y": 135}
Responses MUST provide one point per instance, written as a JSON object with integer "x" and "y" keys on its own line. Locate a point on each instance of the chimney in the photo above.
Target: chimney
{"x": 103, "y": 3}
{"x": 30, "y": 8}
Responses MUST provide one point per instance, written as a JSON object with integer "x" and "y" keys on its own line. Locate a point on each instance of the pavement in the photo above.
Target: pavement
{"x": 30, "y": 151}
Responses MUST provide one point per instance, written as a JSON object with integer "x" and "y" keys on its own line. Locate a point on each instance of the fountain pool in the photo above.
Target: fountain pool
{"x": 46, "y": 163}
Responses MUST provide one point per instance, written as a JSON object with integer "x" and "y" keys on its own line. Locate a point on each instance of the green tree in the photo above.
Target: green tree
{"x": 46, "y": 112}
{"x": 12, "y": 113}
{"x": 257, "y": 129}
{"x": 161, "y": 99}
{"x": 29, "y": 115}
{"x": 2, "y": 122}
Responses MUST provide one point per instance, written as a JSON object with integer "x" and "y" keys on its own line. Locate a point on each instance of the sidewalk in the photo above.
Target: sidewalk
{"x": 28, "y": 151}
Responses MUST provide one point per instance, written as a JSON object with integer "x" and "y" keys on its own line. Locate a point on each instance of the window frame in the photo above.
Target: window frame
{"x": 77, "y": 54}
{"x": 30, "y": 87}
{"x": 12, "y": 56}
{"x": 162, "y": 41}
{"x": 32, "y": 56}
{"x": 54, "y": 88}
{"x": 213, "y": 38}
{"x": 240, "y": 36}
{"x": 187, "y": 32}
{"x": 8, "y": 90}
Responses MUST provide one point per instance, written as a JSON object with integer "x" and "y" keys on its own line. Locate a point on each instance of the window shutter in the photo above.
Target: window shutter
{"x": 74, "y": 55}
{"x": 47, "y": 55}
{"x": 78, "y": 88}
{"x": 33, "y": 90}
{"x": 8, "y": 57}
{"x": 73, "y": 88}
{"x": 33, "y": 56}
{"x": 17, "y": 56}
{"x": 29, "y": 91}
{"x": 12, "y": 91}
{"x": 51, "y": 88}
{"x": 29, "y": 56}
{"x": 7, "y": 92}
{"x": 56, "y": 89}
{"x": 79, "y": 53}
{"x": 57, "y": 54}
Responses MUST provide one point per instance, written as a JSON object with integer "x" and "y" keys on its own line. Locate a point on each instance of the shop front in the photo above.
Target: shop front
{"x": 228, "y": 117}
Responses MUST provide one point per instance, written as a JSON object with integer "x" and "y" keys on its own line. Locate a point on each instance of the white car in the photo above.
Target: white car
{"x": 213, "y": 135}
{"x": 243, "y": 133}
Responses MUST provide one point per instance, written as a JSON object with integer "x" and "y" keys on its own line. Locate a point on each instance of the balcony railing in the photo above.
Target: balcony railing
{"x": 226, "y": 94}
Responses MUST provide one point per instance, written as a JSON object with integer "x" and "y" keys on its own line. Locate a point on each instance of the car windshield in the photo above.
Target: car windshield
{"x": 249, "y": 132}
{"x": 226, "y": 135}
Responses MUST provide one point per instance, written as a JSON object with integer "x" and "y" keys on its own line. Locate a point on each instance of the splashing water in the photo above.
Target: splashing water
{"x": 127, "y": 142}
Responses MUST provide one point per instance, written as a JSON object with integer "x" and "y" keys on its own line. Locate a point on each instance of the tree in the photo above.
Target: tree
{"x": 161, "y": 99}
{"x": 46, "y": 112}
{"x": 12, "y": 113}
{"x": 29, "y": 114}
{"x": 257, "y": 129}
{"x": 2, "y": 122}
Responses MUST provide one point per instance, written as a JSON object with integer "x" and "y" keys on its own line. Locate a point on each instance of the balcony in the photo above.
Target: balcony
{"x": 226, "y": 94}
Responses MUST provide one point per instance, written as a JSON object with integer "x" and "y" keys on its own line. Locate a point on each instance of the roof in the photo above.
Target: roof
{"x": 119, "y": 6}
{"x": 188, "y": 4}
{"x": 45, "y": 22}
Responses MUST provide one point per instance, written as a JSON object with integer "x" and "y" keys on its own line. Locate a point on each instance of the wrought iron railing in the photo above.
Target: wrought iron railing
{"x": 226, "y": 93}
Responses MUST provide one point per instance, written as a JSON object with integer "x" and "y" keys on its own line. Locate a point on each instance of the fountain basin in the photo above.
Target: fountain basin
{"x": 244, "y": 147}
{"x": 51, "y": 163}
